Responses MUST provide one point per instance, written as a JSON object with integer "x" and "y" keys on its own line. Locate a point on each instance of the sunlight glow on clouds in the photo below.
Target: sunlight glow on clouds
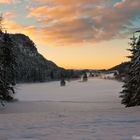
{"x": 7, "y": 1}
{"x": 84, "y": 20}
{"x": 9, "y": 15}
{"x": 74, "y": 22}
{"x": 68, "y": 24}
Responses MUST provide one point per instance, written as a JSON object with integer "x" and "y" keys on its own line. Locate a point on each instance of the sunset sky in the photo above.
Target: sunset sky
{"x": 77, "y": 34}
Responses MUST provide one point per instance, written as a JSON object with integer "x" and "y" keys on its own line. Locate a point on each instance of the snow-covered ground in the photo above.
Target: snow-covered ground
{"x": 79, "y": 111}
{"x": 95, "y": 90}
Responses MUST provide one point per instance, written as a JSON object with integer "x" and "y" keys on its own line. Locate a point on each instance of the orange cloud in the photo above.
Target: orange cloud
{"x": 68, "y": 2}
{"x": 68, "y": 22}
{"x": 12, "y": 26}
{"x": 83, "y": 20}
{"x": 7, "y": 1}
{"x": 49, "y": 14}
{"x": 36, "y": 34}
{"x": 9, "y": 15}
{"x": 133, "y": 5}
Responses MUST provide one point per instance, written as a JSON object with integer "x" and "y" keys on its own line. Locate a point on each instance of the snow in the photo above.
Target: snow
{"x": 79, "y": 111}
{"x": 108, "y": 76}
{"x": 92, "y": 91}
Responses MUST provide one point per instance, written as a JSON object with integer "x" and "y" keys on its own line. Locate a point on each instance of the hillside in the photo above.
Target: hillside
{"x": 31, "y": 66}
{"x": 121, "y": 68}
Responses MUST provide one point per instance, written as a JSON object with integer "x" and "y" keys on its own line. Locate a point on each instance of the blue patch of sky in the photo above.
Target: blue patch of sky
{"x": 21, "y": 9}
{"x": 136, "y": 23}
{"x": 133, "y": 26}
{"x": 111, "y": 3}
{"x": 5, "y": 8}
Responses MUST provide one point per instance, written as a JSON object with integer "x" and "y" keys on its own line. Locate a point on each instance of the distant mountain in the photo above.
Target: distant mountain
{"x": 31, "y": 66}
{"x": 121, "y": 68}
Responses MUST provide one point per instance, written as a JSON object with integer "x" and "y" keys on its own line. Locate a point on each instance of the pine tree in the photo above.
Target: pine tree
{"x": 85, "y": 77}
{"x": 131, "y": 92}
{"x": 7, "y": 66}
{"x": 7, "y": 63}
{"x": 136, "y": 67}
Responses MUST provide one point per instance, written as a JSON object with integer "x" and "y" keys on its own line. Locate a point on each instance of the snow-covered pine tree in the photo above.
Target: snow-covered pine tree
{"x": 7, "y": 67}
{"x": 136, "y": 66}
{"x": 7, "y": 71}
{"x": 131, "y": 92}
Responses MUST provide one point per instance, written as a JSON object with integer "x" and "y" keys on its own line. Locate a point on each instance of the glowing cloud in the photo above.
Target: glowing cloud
{"x": 84, "y": 20}
{"x": 71, "y": 26}
{"x": 7, "y": 1}
{"x": 9, "y": 15}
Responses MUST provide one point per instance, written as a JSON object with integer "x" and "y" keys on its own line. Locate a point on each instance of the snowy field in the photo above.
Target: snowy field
{"x": 79, "y": 111}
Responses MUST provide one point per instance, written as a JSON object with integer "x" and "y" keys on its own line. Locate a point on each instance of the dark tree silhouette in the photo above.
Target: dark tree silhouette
{"x": 62, "y": 82}
{"x": 131, "y": 88}
{"x": 7, "y": 66}
{"x": 85, "y": 78}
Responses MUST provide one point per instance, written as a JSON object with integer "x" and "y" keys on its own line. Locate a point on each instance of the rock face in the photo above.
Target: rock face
{"x": 32, "y": 66}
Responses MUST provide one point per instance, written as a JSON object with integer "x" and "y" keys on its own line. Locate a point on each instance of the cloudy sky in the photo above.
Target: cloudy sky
{"x": 75, "y": 33}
